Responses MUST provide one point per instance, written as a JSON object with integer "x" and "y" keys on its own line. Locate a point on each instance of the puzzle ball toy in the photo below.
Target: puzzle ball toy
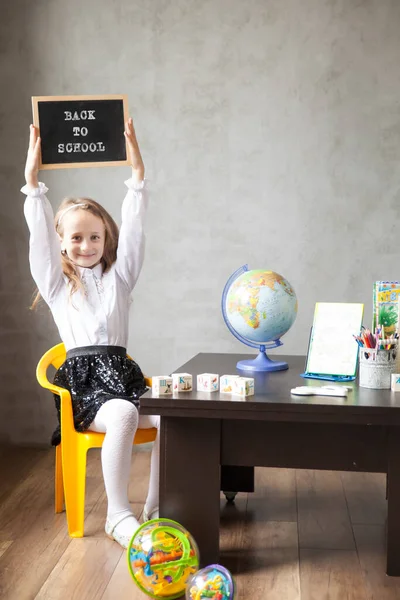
{"x": 162, "y": 555}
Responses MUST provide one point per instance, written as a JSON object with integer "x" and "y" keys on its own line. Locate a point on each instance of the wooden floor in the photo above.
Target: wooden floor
{"x": 308, "y": 535}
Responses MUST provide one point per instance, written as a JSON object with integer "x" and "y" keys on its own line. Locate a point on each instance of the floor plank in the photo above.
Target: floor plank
{"x": 331, "y": 575}
{"x": 87, "y": 562}
{"x": 121, "y": 584}
{"x": 268, "y": 564}
{"x": 232, "y": 525}
{"x": 4, "y": 546}
{"x": 268, "y": 558}
{"x": 370, "y": 540}
{"x": 323, "y": 517}
{"x": 366, "y": 497}
{"x": 275, "y": 494}
{"x": 15, "y": 463}
{"x": 292, "y": 539}
{"x": 27, "y": 517}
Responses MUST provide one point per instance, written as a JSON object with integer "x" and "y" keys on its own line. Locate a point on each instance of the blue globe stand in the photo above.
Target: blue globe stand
{"x": 262, "y": 362}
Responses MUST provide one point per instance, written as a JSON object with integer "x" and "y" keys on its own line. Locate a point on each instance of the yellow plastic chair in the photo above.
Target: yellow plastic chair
{"x": 70, "y": 464}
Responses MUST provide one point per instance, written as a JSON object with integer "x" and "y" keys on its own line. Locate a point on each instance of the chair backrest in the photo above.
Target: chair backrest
{"x": 55, "y": 356}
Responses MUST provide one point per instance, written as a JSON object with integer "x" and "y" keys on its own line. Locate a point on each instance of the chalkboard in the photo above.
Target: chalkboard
{"x": 81, "y": 131}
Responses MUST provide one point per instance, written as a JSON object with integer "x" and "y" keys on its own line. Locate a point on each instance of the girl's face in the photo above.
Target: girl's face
{"x": 83, "y": 237}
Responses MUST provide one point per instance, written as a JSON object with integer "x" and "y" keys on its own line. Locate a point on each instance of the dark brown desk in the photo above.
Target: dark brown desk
{"x": 202, "y": 431}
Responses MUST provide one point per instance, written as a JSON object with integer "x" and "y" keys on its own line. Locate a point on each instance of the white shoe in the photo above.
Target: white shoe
{"x": 154, "y": 514}
{"x": 110, "y": 529}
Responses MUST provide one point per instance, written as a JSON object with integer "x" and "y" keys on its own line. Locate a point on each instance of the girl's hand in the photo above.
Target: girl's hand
{"x": 32, "y": 159}
{"x": 134, "y": 156}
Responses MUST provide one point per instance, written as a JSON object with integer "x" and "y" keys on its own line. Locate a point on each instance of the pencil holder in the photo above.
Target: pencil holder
{"x": 376, "y": 368}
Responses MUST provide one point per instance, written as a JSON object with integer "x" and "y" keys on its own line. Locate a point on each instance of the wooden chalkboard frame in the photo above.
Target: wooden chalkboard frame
{"x": 48, "y": 166}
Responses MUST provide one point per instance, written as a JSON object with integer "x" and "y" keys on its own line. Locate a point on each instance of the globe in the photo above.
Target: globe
{"x": 259, "y": 307}
{"x": 213, "y": 582}
{"x": 162, "y": 555}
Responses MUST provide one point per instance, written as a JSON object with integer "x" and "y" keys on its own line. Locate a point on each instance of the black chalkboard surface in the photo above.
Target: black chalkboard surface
{"x": 81, "y": 131}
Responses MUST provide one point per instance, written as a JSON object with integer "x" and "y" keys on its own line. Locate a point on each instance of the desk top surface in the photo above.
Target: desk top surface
{"x": 272, "y": 394}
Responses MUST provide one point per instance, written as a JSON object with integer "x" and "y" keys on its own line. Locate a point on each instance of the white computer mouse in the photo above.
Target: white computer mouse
{"x": 325, "y": 390}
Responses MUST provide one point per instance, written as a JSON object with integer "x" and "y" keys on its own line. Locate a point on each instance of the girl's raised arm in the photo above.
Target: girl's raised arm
{"x": 130, "y": 253}
{"x": 44, "y": 245}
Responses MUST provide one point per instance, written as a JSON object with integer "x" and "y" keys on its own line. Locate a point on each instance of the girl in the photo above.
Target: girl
{"x": 86, "y": 270}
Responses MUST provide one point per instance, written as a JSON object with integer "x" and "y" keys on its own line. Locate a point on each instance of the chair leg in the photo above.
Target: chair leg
{"x": 58, "y": 482}
{"x": 74, "y": 472}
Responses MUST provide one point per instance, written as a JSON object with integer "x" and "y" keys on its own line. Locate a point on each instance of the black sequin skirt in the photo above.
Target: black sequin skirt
{"x": 93, "y": 375}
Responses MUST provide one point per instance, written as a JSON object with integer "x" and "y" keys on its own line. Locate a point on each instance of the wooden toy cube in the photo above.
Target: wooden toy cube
{"x": 207, "y": 382}
{"x": 395, "y": 382}
{"x": 243, "y": 386}
{"x": 161, "y": 385}
{"x": 226, "y": 383}
{"x": 182, "y": 382}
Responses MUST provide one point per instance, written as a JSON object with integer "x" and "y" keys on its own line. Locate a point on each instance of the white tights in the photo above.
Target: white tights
{"x": 119, "y": 420}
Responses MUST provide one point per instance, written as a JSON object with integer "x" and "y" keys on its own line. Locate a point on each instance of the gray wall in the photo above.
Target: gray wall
{"x": 271, "y": 134}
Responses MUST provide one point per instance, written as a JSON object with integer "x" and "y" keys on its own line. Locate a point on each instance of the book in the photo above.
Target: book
{"x": 385, "y": 306}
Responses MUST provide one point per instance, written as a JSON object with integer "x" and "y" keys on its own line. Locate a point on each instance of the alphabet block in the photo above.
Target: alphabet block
{"x": 243, "y": 386}
{"x": 227, "y": 383}
{"x": 182, "y": 382}
{"x": 207, "y": 382}
{"x": 161, "y": 385}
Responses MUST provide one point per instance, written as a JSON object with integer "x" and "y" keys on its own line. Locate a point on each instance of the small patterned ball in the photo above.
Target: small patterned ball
{"x": 213, "y": 582}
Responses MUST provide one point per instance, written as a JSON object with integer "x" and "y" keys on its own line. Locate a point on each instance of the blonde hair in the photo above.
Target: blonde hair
{"x": 110, "y": 243}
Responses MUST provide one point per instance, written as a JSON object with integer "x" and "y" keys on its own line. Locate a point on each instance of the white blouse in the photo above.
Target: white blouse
{"x": 98, "y": 314}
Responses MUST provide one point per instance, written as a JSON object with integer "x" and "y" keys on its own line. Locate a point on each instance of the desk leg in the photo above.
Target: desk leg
{"x": 393, "y": 493}
{"x": 190, "y": 478}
